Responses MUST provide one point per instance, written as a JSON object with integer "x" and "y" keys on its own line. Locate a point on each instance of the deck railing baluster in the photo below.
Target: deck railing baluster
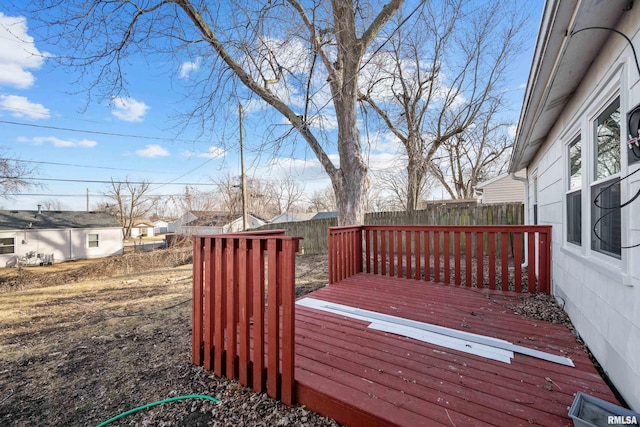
{"x": 229, "y": 309}
{"x": 400, "y": 251}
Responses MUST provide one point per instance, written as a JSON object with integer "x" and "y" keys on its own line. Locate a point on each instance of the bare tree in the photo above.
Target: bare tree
{"x": 303, "y": 59}
{"x": 322, "y": 201}
{"x": 52, "y": 205}
{"x": 478, "y": 153}
{"x": 14, "y": 174}
{"x": 394, "y": 185}
{"x": 131, "y": 202}
{"x": 286, "y": 193}
{"x": 438, "y": 78}
{"x": 260, "y": 200}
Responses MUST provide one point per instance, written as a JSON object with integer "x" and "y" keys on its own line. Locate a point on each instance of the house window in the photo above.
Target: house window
{"x": 7, "y": 246}
{"x": 93, "y": 240}
{"x": 605, "y": 190}
{"x": 574, "y": 195}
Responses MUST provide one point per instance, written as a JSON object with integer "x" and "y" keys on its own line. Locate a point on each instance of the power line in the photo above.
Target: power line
{"x": 74, "y": 165}
{"x": 104, "y": 182}
{"x": 79, "y": 195}
{"x": 95, "y": 132}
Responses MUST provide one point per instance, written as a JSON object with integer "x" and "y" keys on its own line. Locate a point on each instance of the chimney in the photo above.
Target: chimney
{"x": 39, "y": 209}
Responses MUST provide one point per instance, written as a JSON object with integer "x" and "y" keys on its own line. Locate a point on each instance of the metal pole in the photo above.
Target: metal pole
{"x": 243, "y": 184}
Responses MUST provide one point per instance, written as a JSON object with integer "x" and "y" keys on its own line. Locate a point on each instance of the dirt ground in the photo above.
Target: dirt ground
{"x": 82, "y": 342}
{"x": 78, "y": 347}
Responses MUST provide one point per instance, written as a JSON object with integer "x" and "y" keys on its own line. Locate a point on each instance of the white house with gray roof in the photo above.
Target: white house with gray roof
{"x": 580, "y": 109}
{"x": 34, "y": 237}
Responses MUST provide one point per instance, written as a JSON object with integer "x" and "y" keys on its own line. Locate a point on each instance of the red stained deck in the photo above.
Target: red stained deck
{"x": 360, "y": 376}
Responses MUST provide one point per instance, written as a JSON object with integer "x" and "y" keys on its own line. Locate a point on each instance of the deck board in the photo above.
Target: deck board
{"x": 360, "y": 376}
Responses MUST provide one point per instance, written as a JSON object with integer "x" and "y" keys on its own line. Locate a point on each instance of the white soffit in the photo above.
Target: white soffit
{"x": 479, "y": 345}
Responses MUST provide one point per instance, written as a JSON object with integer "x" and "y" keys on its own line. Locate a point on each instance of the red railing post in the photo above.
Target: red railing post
{"x": 273, "y": 324}
{"x": 517, "y": 261}
{"x": 446, "y": 250}
{"x": 196, "y": 303}
{"x": 492, "y": 259}
{"x": 358, "y": 250}
{"x": 244, "y": 290}
{"x": 456, "y": 259}
{"x": 469, "y": 254}
{"x": 504, "y": 260}
{"x": 479, "y": 259}
{"x": 545, "y": 262}
{"x": 436, "y": 255}
{"x": 418, "y": 251}
{"x": 375, "y": 251}
{"x": 531, "y": 261}
{"x": 288, "y": 324}
{"x": 257, "y": 286}
{"x": 218, "y": 308}
{"x": 367, "y": 249}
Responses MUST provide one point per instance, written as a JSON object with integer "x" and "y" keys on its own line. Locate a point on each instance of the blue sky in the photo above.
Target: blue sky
{"x": 44, "y": 117}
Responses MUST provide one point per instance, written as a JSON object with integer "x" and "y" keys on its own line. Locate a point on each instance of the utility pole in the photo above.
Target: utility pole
{"x": 243, "y": 183}
{"x": 87, "y": 200}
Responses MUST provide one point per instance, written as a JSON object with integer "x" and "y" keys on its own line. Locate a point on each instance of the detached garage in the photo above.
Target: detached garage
{"x": 36, "y": 237}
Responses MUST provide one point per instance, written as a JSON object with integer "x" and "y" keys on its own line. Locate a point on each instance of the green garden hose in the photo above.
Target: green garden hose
{"x": 160, "y": 402}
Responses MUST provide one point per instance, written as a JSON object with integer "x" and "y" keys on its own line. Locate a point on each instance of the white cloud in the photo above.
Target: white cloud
{"x": 153, "y": 150}
{"x": 60, "y": 143}
{"x": 128, "y": 109}
{"x": 211, "y": 153}
{"x": 186, "y": 68}
{"x": 20, "y": 106}
{"x": 18, "y": 53}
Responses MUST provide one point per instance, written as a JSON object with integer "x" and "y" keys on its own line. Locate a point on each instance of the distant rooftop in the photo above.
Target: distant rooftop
{"x": 44, "y": 220}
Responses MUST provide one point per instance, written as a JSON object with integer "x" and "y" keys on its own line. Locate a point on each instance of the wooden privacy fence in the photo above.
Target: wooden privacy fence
{"x": 478, "y": 256}
{"x": 243, "y": 302}
{"x": 314, "y": 231}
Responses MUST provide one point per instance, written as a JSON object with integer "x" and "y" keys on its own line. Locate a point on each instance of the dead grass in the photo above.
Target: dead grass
{"x": 80, "y": 345}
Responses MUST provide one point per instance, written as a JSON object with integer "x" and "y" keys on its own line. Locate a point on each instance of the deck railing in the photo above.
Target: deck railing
{"x": 511, "y": 257}
{"x": 243, "y": 302}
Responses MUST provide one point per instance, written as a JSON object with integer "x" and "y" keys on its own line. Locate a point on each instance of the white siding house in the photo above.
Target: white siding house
{"x": 163, "y": 227}
{"x": 571, "y": 138}
{"x": 33, "y": 236}
{"x": 502, "y": 189}
{"x": 143, "y": 229}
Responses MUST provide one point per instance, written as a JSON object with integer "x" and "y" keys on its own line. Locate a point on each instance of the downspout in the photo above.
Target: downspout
{"x": 526, "y": 209}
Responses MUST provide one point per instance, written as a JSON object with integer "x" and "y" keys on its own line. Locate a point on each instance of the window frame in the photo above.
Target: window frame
{"x": 573, "y": 195}
{"x": 4, "y": 245}
{"x": 602, "y": 216}
{"x": 90, "y": 240}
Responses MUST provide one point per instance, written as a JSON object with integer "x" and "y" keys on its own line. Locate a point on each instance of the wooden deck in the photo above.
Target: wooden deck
{"x": 360, "y": 376}
{"x": 248, "y": 326}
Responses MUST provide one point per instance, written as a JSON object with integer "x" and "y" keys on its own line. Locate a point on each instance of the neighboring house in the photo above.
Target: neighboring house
{"x": 502, "y": 189}
{"x": 325, "y": 215}
{"x": 163, "y": 227}
{"x": 142, "y": 229}
{"x": 34, "y": 236}
{"x": 572, "y": 139}
{"x": 214, "y": 222}
{"x": 292, "y": 217}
